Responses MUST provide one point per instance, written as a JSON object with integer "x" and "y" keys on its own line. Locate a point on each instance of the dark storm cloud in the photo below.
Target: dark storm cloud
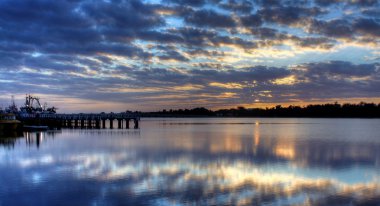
{"x": 315, "y": 42}
{"x": 335, "y": 28}
{"x": 270, "y": 36}
{"x": 200, "y": 37}
{"x": 209, "y": 18}
{"x": 288, "y": 15}
{"x": 194, "y": 36}
{"x": 258, "y": 73}
{"x": 90, "y": 28}
{"x": 335, "y": 79}
{"x": 195, "y": 3}
{"x": 268, "y": 33}
{"x": 326, "y": 2}
{"x": 46, "y": 63}
{"x": 83, "y": 44}
{"x": 205, "y": 53}
{"x": 367, "y": 27}
{"x": 75, "y": 27}
{"x": 211, "y": 66}
{"x": 340, "y": 28}
{"x": 371, "y": 12}
{"x": 172, "y": 54}
{"x": 252, "y": 20}
{"x": 133, "y": 14}
{"x": 267, "y": 3}
{"x": 244, "y": 6}
{"x": 158, "y": 77}
{"x": 342, "y": 68}
{"x": 9, "y": 60}
{"x": 364, "y": 2}
{"x": 348, "y": 2}
{"x": 162, "y": 37}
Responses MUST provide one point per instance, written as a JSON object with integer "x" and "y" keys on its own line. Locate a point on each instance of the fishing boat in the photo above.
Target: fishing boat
{"x": 31, "y": 128}
{"x": 8, "y": 122}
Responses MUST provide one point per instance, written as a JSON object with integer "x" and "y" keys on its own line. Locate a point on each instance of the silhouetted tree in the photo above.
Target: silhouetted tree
{"x": 363, "y": 110}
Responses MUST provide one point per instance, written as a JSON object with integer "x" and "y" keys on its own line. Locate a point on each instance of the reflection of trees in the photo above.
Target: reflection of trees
{"x": 106, "y": 132}
{"x": 263, "y": 150}
{"x": 303, "y": 152}
{"x": 337, "y": 154}
{"x": 333, "y": 154}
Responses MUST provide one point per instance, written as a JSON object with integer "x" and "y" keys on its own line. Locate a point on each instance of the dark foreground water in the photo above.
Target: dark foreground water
{"x": 255, "y": 161}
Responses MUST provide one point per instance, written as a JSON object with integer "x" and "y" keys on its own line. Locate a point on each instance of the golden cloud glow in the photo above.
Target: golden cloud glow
{"x": 123, "y": 89}
{"x": 129, "y": 90}
{"x": 227, "y": 95}
{"x": 187, "y": 87}
{"x": 289, "y": 80}
{"x": 229, "y": 85}
{"x": 286, "y": 151}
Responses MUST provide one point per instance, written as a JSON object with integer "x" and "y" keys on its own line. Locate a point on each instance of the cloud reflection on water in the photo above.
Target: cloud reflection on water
{"x": 222, "y": 182}
{"x": 202, "y": 164}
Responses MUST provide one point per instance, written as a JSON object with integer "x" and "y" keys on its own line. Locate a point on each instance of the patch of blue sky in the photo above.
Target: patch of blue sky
{"x": 351, "y": 53}
{"x": 300, "y": 32}
{"x": 173, "y": 22}
{"x": 152, "y": 1}
{"x": 350, "y": 175}
{"x": 340, "y": 12}
{"x": 282, "y": 47}
{"x": 217, "y": 9}
{"x": 141, "y": 43}
{"x": 36, "y": 54}
{"x": 225, "y": 32}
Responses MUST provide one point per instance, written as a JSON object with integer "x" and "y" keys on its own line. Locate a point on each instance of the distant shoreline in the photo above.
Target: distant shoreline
{"x": 246, "y": 117}
{"x": 361, "y": 110}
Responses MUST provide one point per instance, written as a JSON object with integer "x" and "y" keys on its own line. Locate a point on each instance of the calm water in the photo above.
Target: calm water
{"x": 255, "y": 161}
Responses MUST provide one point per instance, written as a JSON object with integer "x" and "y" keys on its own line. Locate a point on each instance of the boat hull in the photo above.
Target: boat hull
{"x": 31, "y": 128}
{"x": 9, "y": 126}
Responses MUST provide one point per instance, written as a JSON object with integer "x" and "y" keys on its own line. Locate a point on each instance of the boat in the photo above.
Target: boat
{"x": 31, "y": 128}
{"x": 30, "y": 112}
{"x": 33, "y": 106}
{"x": 8, "y": 122}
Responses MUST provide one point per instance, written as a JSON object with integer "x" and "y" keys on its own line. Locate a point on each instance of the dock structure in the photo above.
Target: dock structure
{"x": 96, "y": 121}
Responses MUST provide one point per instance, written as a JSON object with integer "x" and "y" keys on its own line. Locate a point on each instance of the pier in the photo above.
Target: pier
{"x": 88, "y": 121}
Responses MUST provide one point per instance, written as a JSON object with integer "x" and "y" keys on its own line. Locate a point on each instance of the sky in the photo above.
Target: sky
{"x": 148, "y": 55}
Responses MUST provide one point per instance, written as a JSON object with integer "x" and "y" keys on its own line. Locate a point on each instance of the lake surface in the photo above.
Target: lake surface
{"x": 197, "y": 161}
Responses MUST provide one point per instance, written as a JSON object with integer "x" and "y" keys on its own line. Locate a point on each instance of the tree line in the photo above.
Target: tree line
{"x": 362, "y": 110}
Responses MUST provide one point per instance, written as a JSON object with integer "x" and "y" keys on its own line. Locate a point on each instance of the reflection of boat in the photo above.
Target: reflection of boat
{"x": 35, "y": 128}
{"x": 9, "y": 139}
{"x": 8, "y": 122}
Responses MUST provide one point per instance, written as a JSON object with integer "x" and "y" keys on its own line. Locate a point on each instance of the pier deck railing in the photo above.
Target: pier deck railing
{"x": 88, "y": 120}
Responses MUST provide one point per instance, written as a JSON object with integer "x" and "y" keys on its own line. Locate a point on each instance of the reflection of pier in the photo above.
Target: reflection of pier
{"x": 126, "y": 133}
{"x": 98, "y": 121}
{"x": 36, "y": 137}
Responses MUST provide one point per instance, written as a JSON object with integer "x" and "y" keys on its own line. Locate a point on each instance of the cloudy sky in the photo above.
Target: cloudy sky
{"x": 87, "y": 55}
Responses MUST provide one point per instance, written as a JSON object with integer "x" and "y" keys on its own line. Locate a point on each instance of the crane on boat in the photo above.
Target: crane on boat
{"x": 33, "y": 105}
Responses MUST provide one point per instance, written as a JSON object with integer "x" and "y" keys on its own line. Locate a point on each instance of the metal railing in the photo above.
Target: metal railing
{"x": 90, "y": 116}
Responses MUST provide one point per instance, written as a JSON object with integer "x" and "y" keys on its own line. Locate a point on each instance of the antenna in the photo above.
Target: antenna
{"x": 13, "y": 101}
